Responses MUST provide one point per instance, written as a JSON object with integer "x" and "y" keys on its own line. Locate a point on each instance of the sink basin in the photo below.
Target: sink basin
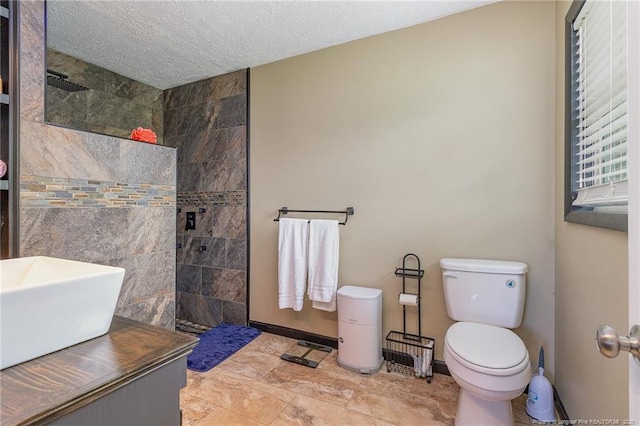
{"x": 48, "y": 304}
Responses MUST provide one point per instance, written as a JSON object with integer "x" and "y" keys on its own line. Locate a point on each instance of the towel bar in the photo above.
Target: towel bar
{"x": 347, "y": 212}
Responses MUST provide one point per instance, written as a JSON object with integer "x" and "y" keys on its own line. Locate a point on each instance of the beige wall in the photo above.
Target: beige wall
{"x": 442, "y": 138}
{"x": 591, "y": 289}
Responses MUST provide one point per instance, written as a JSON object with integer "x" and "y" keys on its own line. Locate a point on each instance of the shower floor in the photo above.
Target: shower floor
{"x": 192, "y": 328}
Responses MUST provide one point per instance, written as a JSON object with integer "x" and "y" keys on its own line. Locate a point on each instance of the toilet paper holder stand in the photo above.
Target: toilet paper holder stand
{"x": 406, "y": 352}
{"x": 409, "y": 273}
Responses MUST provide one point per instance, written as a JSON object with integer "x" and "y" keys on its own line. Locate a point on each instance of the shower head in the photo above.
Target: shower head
{"x": 60, "y": 81}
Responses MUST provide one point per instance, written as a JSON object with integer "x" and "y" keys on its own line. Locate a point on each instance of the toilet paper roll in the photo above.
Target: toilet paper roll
{"x": 408, "y": 299}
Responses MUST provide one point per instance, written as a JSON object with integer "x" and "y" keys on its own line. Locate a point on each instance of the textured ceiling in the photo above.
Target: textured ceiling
{"x": 170, "y": 43}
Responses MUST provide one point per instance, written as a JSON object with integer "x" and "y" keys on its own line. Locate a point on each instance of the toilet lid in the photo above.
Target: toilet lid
{"x": 486, "y": 346}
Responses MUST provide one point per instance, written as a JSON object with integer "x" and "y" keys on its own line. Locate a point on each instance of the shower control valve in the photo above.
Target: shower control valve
{"x": 191, "y": 221}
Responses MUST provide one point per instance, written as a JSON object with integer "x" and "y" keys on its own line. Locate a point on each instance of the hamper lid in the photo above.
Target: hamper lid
{"x": 353, "y": 292}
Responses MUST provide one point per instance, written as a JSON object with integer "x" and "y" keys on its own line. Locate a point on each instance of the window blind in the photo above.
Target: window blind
{"x": 601, "y": 142}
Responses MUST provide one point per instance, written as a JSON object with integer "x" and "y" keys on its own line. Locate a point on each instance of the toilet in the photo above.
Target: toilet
{"x": 489, "y": 361}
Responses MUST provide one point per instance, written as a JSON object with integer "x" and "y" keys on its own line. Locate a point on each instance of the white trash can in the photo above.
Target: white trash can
{"x": 360, "y": 329}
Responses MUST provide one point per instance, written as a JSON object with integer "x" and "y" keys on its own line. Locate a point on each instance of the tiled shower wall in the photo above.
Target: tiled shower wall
{"x": 92, "y": 197}
{"x": 114, "y": 106}
{"x": 206, "y": 121}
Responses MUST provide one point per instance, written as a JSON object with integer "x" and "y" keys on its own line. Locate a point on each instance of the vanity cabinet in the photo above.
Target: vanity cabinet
{"x": 130, "y": 376}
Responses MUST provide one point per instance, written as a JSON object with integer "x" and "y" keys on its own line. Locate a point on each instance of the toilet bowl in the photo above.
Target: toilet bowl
{"x": 489, "y": 362}
{"x": 492, "y": 367}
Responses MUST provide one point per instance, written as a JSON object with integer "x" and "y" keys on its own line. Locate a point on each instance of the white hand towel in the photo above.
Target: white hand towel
{"x": 325, "y": 306}
{"x": 324, "y": 240}
{"x": 293, "y": 245}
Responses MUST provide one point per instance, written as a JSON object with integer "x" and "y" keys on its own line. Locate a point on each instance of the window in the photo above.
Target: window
{"x": 596, "y": 114}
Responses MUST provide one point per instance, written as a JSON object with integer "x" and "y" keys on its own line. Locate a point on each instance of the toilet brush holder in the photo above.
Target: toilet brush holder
{"x": 540, "y": 403}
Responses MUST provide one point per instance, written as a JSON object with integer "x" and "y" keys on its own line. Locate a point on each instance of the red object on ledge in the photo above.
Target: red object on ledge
{"x": 144, "y": 135}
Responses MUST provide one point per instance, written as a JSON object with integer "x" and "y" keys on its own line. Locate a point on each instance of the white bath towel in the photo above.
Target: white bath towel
{"x": 324, "y": 245}
{"x": 293, "y": 246}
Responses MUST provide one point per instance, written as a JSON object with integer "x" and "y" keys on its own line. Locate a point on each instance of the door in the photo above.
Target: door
{"x": 610, "y": 343}
{"x": 633, "y": 135}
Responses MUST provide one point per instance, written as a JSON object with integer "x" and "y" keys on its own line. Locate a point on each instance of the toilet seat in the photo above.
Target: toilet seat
{"x": 487, "y": 349}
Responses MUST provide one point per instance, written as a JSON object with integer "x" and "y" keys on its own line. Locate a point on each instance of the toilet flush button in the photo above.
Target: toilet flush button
{"x": 510, "y": 283}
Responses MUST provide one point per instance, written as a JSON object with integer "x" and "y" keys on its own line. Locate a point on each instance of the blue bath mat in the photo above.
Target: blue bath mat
{"x": 218, "y": 344}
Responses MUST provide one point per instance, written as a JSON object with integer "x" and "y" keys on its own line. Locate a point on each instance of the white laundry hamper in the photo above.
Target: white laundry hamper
{"x": 360, "y": 329}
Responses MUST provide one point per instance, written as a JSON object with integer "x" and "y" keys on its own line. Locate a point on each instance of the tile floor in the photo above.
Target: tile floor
{"x": 256, "y": 387}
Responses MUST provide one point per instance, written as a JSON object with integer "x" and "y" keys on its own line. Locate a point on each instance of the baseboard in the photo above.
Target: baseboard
{"x": 562, "y": 412}
{"x": 439, "y": 367}
{"x": 295, "y": 334}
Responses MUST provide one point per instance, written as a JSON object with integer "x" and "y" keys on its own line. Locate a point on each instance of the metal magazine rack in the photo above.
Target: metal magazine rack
{"x": 408, "y": 353}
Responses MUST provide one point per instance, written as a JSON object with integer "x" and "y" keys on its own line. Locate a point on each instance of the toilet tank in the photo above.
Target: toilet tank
{"x": 484, "y": 291}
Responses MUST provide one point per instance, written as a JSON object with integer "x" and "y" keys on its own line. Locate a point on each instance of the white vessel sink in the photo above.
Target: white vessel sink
{"x": 48, "y": 304}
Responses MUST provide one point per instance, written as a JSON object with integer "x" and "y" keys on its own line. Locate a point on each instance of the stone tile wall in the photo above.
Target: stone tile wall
{"x": 206, "y": 121}
{"x": 114, "y": 106}
{"x": 83, "y": 194}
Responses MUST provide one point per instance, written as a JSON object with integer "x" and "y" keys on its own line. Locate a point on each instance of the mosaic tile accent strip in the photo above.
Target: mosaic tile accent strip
{"x": 223, "y": 198}
{"x": 38, "y": 191}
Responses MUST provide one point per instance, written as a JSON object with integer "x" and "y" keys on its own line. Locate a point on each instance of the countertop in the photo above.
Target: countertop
{"x": 56, "y": 384}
